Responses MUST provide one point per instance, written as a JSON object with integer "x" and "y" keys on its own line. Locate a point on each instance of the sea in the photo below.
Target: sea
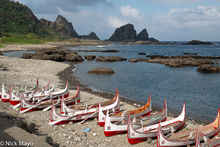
{"x": 135, "y": 81}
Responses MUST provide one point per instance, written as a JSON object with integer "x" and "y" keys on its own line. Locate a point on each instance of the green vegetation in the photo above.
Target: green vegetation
{"x": 19, "y": 25}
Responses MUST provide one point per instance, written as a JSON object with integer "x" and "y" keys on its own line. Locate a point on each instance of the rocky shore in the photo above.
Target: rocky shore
{"x": 22, "y": 73}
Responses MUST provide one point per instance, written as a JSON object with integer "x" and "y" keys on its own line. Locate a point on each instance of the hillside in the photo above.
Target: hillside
{"x": 18, "y": 24}
{"x": 17, "y": 18}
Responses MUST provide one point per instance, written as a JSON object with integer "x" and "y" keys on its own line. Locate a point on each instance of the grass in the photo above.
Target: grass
{"x": 15, "y": 38}
{"x": 30, "y": 38}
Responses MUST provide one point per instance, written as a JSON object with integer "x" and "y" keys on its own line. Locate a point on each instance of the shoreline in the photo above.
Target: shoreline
{"x": 70, "y": 134}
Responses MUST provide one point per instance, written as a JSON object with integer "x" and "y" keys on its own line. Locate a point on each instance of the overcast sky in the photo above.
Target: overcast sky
{"x": 166, "y": 20}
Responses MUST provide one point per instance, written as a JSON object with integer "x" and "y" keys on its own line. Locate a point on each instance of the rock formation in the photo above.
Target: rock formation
{"x": 65, "y": 28}
{"x": 59, "y": 55}
{"x": 142, "y": 36}
{"x": 208, "y": 68}
{"x": 101, "y": 71}
{"x": 127, "y": 33}
{"x": 197, "y": 42}
{"x": 61, "y": 26}
{"x": 110, "y": 59}
{"x": 91, "y": 36}
{"x": 124, "y": 33}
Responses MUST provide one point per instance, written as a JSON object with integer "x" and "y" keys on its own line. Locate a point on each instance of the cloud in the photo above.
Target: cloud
{"x": 52, "y": 6}
{"x": 128, "y": 11}
{"x": 177, "y": 1}
{"x": 115, "y": 21}
{"x": 194, "y": 22}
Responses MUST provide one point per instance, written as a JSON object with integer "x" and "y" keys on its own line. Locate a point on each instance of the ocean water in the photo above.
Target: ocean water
{"x": 136, "y": 81}
{"x": 17, "y": 53}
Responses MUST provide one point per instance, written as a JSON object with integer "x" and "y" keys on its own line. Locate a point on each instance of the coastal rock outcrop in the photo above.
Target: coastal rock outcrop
{"x": 197, "y": 42}
{"x": 54, "y": 55}
{"x": 180, "y": 61}
{"x": 137, "y": 60}
{"x": 142, "y": 36}
{"x": 91, "y": 36}
{"x": 89, "y": 57}
{"x": 209, "y": 68}
{"x": 101, "y": 71}
{"x": 110, "y": 59}
{"x": 124, "y": 33}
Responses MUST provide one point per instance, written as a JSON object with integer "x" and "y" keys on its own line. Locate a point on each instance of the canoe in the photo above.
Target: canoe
{"x": 34, "y": 95}
{"x": 135, "y": 135}
{"x": 120, "y": 127}
{"x": 4, "y": 96}
{"x": 27, "y": 106}
{"x": 83, "y": 113}
{"x": 186, "y": 137}
{"x": 71, "y": 109}
{"x": 207, "y": 141}
{"x": 119, "y": 116}
{"x": 43, "y": 102}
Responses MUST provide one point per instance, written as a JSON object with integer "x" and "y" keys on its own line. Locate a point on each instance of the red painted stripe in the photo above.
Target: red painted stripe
{"x": 112, "y": 133}
{"x": 136, "y": 140}
{"x": 5, "y": 100}
{"x": 101, "y": 124}
{"x": 14, "y": 102}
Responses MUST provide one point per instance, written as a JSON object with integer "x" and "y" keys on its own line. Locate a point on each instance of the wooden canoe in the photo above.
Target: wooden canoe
{"x": 186, "y": 137}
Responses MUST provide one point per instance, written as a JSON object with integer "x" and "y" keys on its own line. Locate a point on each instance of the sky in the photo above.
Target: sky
{"x": 165, "y": 20}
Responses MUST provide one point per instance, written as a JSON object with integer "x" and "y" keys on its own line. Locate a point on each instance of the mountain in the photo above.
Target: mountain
{"x": 124, "y": 33}
{"x": 127, "y": 33}
{"x": 61, "y": 26}
{"x": 91, "y": 36}
{"x": 64, "y": 28}
{"x": 17, "y": 18}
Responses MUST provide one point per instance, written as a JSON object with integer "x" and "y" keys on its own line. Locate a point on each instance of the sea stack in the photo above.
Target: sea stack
{"x": 142, "y": 36}
{"x": 124, "y": 34}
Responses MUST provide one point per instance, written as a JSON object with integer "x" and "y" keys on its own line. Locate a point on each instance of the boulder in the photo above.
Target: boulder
{"x": 90, "y": 57}
{"x": 27, "y": 56}
{"x": 209, "y": 68}
{"x": 137, "y": 60}
{"x": 124, "y": 33}
{"x": 101, "y": 71}
{"x": 72, "y": 57}
{"x": 142, "y": 36}
{"x": 197, "y": 42}
{"x": 53, "y": 57}
{"x": 110, "y": 59}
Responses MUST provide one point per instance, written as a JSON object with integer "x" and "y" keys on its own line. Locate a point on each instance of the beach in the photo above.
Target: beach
{"x": 24, "y": 72}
